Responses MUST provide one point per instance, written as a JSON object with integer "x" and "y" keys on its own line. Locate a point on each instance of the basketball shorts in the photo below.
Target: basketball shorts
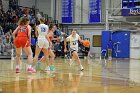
{"x": 43, "y": 43}
{"x": 21, "y": 42}
{"x": 73, "y": 49}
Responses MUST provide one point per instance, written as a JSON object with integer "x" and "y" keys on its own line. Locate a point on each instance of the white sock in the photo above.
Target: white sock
{"x": 81, "y": 66}
{"x": 17, "y": 66}
{"x": 31, "y": 63}
{"x": 28, "y": 66}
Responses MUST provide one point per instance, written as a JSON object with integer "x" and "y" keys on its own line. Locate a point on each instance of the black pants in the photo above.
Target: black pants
{"x": 86, "y": 51}
{"x": 33, "y": 49}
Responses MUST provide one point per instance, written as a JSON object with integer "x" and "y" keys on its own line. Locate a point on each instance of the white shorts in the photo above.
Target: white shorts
{"x": 43, "y": 43}
{"x": 74, "y": 48}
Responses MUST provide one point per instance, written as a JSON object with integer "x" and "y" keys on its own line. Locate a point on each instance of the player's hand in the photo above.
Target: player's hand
{"x": 57, "y": 38}
{"x": 82, "y": 41}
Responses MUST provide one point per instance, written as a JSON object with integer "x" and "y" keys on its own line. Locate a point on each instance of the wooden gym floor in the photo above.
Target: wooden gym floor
{"x": 116, "y": 76}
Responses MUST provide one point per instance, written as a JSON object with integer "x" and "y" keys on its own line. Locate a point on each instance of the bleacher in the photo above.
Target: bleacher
{"x": 8, "y": 22}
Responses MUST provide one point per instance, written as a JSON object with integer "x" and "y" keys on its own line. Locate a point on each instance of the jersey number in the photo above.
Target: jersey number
{"x": 43, "y": 29}
{"x": 74, "y": 43}
{"x": 22, "y": 29}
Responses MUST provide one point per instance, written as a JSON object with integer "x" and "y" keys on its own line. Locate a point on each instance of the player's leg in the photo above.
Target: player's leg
{"x": 52, "y": 57}
{"x": 46, "y": 56}
{"x": 35, "y": 59}
{"x": 28, "y": 51}
{"x": 76, "y": 57}
{"x": 18, "y": 55}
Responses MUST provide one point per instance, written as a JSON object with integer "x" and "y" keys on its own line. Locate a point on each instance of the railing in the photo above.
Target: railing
{"x": 115, "y": 11}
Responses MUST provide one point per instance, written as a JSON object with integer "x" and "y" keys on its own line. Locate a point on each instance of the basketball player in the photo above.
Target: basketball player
{"x": 73, "y": 39}
{"x": 50, "y": 67}
{"x": 22, "y": 38}
{"x": 43, "y": 41}
{"x": 86, "y": 44}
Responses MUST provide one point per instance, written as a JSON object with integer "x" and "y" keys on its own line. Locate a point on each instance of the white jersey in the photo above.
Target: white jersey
{"x": 73, "y": 42}
{"x": 42, "y": 32}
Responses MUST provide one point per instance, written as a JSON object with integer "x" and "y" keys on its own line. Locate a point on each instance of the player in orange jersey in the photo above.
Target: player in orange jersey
{"x": 22, "y": 38}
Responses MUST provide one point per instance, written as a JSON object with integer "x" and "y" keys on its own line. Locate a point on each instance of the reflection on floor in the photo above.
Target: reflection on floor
{"x": 99, "y": 76}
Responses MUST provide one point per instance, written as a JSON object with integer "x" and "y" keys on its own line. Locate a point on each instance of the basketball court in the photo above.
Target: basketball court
{"x": 99, "y": 76}
{"x": 106, "y": 39}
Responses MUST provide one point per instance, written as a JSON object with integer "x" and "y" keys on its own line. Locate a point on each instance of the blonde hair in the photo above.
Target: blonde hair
{"x": 73, "y": 30}
{"x": 42, "y": 20}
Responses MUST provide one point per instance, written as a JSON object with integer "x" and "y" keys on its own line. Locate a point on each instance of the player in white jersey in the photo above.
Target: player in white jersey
{"x": 73, "y": 39}
{"x": 43, "y": 41}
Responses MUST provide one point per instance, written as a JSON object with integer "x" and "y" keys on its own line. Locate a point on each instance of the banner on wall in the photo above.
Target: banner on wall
{"x": 67, "y": 11}
{"x": 131, "y": 12}
{"x": 130, "y": 8}
{"x": 128, "y": 3}
{"x": 94, "y": 11}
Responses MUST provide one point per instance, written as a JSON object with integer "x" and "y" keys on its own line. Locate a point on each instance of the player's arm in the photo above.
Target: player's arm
{"x": 57, "y": 38}
{"x": 47, "y": 37}
{"x": 50, "y": 34}
{"x": 80, "y": 39}
{"x": 29, "y": 32}
{"x": 14, "y": 33}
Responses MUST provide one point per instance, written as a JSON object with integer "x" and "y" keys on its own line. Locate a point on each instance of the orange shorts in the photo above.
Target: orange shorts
{"x": 22, "y": 42}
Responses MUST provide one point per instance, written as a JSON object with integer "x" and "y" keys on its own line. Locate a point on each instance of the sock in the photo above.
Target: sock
{"x": 29, "y": 66}
{"x": 17, "y": 66}
{"x": 81, "y": 66}
{"x": 31, "y": 63}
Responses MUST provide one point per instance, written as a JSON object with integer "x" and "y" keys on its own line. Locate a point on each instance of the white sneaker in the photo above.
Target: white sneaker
{"x": 47, "y": 68}
{"x": 70, "y": 62}
{"x": 81, "y": 68}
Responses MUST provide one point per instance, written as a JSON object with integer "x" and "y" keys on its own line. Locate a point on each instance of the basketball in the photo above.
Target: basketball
{"x": 86, "y": 43}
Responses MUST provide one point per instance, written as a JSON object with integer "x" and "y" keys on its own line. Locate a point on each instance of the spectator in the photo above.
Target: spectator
{"x": 33, "y": 44}
{"x": 62, "y": 45}
{"x": 109, "y": 48}
{"x": 0, "y": 45}
{"x": 1, "y": 31}
{"x": 15, "y": 19}
{"x": 32, "y": 20}
{"x": 57, "y": 33}
{"x": 57, "y": 49}
{"x": 3, "y": 47}
{"x": 38, "y": 16}
{"x": 9, "y": 33}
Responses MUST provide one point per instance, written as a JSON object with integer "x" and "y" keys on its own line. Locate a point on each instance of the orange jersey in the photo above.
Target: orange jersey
{"x": 22, "y": 31}
{"x": 22, "y": 37}
{"x": 51, "y": 35}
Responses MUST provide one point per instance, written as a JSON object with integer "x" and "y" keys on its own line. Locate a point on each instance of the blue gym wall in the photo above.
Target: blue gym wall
{"x": 121, "y": 43}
